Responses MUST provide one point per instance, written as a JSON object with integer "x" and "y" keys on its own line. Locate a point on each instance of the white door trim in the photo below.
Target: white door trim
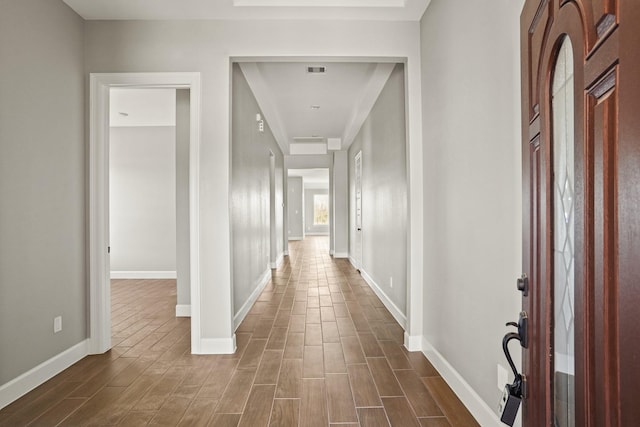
{"x": 99, "y": 289}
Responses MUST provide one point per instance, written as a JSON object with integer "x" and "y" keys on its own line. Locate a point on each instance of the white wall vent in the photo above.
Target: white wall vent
{"x": 316, "y": 70}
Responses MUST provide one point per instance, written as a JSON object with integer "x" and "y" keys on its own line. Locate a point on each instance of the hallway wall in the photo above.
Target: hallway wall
{"x": 142, "y": 201}
{"x": 382, "y": 140}
{"x": 206, "y": 47}
{"x": 472, "y": 197}
{"x": 295, "y": 197}
{"x": 42, "y": 184}
{"x": 250, "y": 195}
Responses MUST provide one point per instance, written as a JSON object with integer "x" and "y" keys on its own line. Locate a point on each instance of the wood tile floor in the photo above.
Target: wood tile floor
{"x": 317, "y": 349}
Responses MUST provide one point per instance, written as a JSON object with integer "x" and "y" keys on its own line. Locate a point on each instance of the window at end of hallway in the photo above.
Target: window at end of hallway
{"x": 320, "y": 209}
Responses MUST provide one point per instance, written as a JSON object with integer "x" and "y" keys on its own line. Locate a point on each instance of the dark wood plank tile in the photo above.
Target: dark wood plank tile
{"x": 395, "y": 355}
{"x": 294, "y": 348}
{"x": 340, "y": 399}
{"x": 58, "y": 412}
{"x": 290, "y": 379}
{"x": 137, "y": 418}
{"x": 365, "y": 393}
{"x": 237, "y": 392}
{"x": 285, "y": 413}
{"x": 198, "y": 413}
{"x": 269, "y": 367}
{"x": 370, "y": 345}
{"x": 252, "y": 354}
{"x": 417, "y": 394}
{"x": 225, "y": 420}
{"x": 297, "y": 323}
{"x": 451, "y": 406}
{"x": 313, "y": 407}
{"x": 399, "y": 412}
{"x": 352, "y": 350}
{"x": 327, "y": 314}
{"x": 421, "y": 364}
{"x": 373, "y": 417}
{"x": 171, "y": 412}
{"x": 313, "y": 362}
{"x": 277, "y": 339}
{"x": 258, "y": 407}
{"x": 382, "y": 374}
{"x": 334, "y": 359}
{"x": 434, "y": 422}
{"x": 330, "y": 332}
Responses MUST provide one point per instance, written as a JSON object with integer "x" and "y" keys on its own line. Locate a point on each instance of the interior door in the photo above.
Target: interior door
{"x": 581, "y": 219}
{"x": 358, "y": 210}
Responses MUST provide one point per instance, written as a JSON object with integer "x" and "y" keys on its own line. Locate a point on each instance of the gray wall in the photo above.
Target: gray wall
{"x": 341, "y": 203}
{"x": 472, "y": 197}
{"x": 42, "y": 183}
{"x": 182, "y": 197}
{"x": 384, "y": 191}
{"x": 295, "y": 197}
{"x": 250, "y": 193}
{"x": 142, "y": 200}
{"x": 309, "y": 227}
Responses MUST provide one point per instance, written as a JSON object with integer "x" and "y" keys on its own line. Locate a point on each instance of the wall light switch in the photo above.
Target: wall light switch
{"x": 57, "y": 324}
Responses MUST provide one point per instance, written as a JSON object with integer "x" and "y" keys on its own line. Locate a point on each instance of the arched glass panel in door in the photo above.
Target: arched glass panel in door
{"x": 563, "y": 237}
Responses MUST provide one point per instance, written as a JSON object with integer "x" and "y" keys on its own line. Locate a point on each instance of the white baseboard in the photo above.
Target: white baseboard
{"x": 183, "y": 310}
{"x": 413, "y": 342}
{"x": 296, "y": 237}
{"x": 331, "y": 252}
{"x": 143, "y": 275}
{"x": 286, "y": 253}
{"x": 393, "y": 309}
{"x": 218, "y": 345}
{"x": 341, "y": 254}
{"x": 354, "y": 263}
{"x": 278, "y": 262}
{"x": 473, "y": 402}
{"x": 31, "y": 379}
{"x": 262, "y": 282}
{"x": 316, "y": 233}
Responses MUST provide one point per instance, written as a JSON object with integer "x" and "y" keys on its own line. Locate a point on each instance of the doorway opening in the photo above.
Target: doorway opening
{"x": 186, "y": 159}
{"x": 308, "y": 203}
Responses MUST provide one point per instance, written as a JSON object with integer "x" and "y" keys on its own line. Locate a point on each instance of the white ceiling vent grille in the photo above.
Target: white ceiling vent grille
{"x": 316, "y": 70}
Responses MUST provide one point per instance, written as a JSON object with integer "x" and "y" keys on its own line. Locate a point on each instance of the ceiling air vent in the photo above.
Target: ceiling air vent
{"x": 316, "y": 70}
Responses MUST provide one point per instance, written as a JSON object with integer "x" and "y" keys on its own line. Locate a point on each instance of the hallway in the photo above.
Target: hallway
{"x": 318, "y": 348}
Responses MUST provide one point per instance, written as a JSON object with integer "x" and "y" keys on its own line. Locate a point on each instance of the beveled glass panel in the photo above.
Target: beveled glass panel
{"x": 564, "y": 237}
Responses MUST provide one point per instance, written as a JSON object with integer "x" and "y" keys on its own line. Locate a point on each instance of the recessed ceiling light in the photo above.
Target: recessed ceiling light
{"x": 315, "y": 107}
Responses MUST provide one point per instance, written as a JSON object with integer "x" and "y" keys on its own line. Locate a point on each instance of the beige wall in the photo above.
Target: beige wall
{"x": 472, "y": 194}
{"x": 42, "y": 183}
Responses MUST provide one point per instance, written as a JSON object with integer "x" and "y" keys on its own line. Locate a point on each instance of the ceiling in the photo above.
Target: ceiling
{"x": 304, "y": 109}
{"x": 375, "y": 10}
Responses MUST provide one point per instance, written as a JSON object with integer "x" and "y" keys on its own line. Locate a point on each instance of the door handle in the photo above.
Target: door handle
{"x": 514, "y": 392}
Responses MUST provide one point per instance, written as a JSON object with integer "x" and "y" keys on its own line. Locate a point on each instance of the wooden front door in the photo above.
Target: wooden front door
{"x": 581, "y": 211}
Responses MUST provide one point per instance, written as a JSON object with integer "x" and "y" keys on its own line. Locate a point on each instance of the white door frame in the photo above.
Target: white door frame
{"x": 99, "y": 268}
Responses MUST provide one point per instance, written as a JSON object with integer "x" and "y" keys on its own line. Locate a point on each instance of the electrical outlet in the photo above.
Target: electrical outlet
{"x": 391, "y": 282}
{"x": 57, "y": 324}
{"x": 503, "y": 377}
